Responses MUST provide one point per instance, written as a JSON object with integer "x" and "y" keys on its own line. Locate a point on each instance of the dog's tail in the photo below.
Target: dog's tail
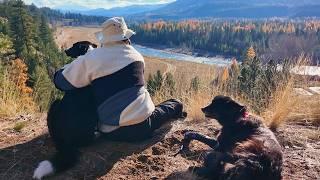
{"x": 67, "y": 154}
{"x": 61, "y": 161}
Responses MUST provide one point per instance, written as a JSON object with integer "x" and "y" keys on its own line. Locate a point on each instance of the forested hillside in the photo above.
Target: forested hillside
{"x": 28, "y": 57}
{"x": 272, "y": 39}
{"x": 70, "y": 19}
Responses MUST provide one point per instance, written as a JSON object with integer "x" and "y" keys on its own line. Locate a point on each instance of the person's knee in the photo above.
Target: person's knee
{"x": 176, "y": 101}
{"x": 175, "y": 104}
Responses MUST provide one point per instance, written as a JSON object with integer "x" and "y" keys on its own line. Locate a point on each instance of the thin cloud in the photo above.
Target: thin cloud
{"x": 93, "y": 3}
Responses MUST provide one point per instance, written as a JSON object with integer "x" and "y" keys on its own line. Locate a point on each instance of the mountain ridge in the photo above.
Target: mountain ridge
{"x": 181, "y": 9}
{"x": 117, "y": 11}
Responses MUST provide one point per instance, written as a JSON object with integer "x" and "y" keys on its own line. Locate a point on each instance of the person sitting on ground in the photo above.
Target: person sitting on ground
{"x": 116, "y": 73}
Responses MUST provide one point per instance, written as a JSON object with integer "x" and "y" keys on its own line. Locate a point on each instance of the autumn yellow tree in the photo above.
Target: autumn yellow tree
{"x": 19, "y": 76}
{"x": 251, "y": 53}
{"x": 225, "y": 75}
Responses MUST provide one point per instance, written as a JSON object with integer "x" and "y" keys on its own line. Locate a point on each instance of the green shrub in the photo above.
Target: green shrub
{"x": 154, "y": 83}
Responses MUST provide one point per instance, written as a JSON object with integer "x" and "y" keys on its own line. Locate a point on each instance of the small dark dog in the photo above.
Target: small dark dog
{"x": 244, "y": 150}
{"x": 72, "y": 122}
{"x": 80, "y": 48}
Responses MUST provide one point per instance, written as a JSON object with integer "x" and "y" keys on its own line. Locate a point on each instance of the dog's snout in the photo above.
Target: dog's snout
{"x": 203, "y": 110}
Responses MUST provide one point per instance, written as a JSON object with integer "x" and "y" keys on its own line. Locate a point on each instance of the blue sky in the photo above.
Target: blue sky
{"x": 93, "y": 3}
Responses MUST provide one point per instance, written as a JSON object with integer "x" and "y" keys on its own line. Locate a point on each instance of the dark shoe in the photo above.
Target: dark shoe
{"x": 179, "y": 109}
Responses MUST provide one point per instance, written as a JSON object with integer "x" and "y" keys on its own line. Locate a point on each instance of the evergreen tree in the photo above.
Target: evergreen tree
{"x": 4, "y": 26}
{"x": 22, "y": 29}
{"x": 45, "y": 33}
{"x": 170, "y": 84}
{"x": 43, "y": 88}
{"x": 6, "y": 47}
{"x": 154, "y": 83}
{"x": 195, "y": 84}
{"x": 250, "y": 75}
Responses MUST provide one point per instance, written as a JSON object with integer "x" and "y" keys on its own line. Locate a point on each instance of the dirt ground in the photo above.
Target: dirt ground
{"x": 20, "y": 152}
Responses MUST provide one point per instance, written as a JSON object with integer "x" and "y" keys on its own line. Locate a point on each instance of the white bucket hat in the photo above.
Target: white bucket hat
{"x": 114, "y": 29}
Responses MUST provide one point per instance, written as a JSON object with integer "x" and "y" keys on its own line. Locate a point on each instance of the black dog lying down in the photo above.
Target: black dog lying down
{"x": 76, "y": 111}
{"x": 244, "y": 150}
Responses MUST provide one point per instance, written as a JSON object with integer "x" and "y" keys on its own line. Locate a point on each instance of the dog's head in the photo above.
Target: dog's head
{"x": 80, "y": 48}
{"x": 225, "y": 110}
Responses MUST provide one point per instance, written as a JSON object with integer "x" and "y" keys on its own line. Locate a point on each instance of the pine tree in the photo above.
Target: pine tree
{"x": 170, "y": 84}
{"x": 6, "y": 48}
{"x": 154, "y": 83}
{"x": 4, "y": 26}
{"x": 195, "y": 84}
{"x": 43, "y": 88}
{"x": 45, "y": 33}
{"x": 250, "y": 75}
{"x": 22, "y": 29}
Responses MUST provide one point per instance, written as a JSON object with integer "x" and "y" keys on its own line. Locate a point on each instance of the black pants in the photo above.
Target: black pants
{"x": 168, "y": 110}
{"x": 70, "y": 123}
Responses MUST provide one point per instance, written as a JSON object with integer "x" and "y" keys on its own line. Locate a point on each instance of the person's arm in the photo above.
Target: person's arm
{"x": 72, "y": 76}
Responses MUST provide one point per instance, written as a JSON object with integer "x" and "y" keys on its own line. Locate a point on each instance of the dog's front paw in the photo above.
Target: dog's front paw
{"x": 199, "y": 171}
{"x": 44, "y": 168}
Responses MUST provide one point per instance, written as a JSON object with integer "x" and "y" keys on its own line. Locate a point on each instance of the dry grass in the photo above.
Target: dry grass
{"x": 183, "y": 73}
{"x": 315, "y": 111}
{"x": 286, "y": 105}
{"x": 12, "y": 100}
{"x": 282, "y": 105}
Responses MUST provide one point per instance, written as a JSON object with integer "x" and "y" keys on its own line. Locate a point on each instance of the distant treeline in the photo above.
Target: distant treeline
{"x": 271, "y": 39}
{"x": 70, "y": 19}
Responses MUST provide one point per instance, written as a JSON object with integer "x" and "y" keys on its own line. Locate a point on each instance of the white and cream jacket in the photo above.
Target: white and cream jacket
{"x": 116, "y": 74}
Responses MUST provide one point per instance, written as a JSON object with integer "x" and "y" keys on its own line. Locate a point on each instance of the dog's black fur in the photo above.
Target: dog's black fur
{"x": 72, "y": 123}
{"x": 247, "y": 149}
{"x": 72, "y": 120}
{"x": 79, "y": 48}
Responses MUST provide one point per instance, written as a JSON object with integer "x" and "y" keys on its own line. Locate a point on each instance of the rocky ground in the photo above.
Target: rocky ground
{"x": 153, "y": 159}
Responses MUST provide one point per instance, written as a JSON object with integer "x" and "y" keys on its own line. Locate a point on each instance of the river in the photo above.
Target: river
{"x": 151, "y": 52}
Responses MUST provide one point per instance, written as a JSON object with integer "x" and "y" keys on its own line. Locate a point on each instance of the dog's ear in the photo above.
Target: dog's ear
{"x": 243, "y": 109}
{"x": 94, "y": 45}
{"x": 236, "y": 106}
{"x": 221, "y": 99}
{"x": 76, "y": 44}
